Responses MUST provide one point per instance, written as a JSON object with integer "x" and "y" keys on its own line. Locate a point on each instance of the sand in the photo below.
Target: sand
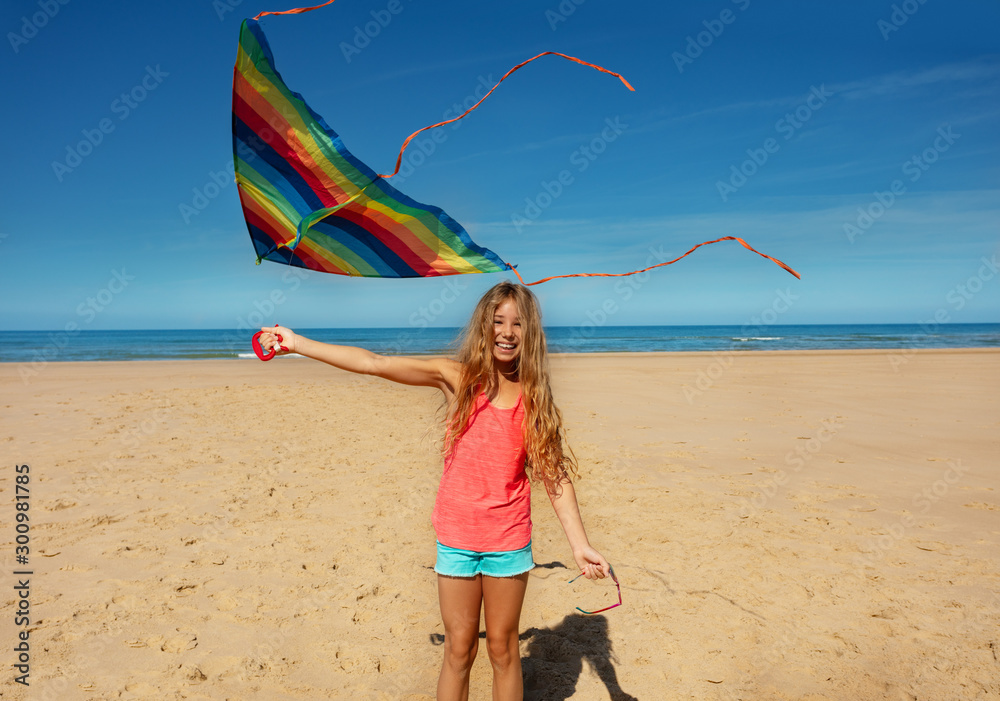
{"x": 815, "y": 525}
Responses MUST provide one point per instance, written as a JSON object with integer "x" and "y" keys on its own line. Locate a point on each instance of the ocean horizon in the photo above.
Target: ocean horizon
{"x": 202, "y": 344}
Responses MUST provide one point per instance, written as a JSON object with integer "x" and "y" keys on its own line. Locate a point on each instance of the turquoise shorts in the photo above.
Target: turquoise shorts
{"x": 453, "y": 562}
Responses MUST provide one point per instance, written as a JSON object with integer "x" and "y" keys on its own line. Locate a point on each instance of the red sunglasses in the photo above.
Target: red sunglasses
{"x": 611, "y": 571}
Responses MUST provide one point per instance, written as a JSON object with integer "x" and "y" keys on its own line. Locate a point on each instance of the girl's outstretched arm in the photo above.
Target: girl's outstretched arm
{"x": 442, "y": 373}
{"x": 563, "y": 498}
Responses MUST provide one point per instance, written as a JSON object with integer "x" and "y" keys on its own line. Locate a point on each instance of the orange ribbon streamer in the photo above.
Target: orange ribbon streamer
{"x": 399, "y": 159}
{"x": 634, "y": 272}
{"x": 295, "y": 11}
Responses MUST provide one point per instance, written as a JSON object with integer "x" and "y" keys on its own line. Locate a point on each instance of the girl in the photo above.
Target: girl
{"x": 501, "y": 425}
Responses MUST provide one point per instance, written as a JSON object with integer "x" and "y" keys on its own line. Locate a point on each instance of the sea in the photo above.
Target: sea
{"x": 93, "y": 345}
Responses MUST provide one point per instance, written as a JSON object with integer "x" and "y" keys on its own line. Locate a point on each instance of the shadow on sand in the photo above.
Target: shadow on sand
{"x": 555, "y": 658}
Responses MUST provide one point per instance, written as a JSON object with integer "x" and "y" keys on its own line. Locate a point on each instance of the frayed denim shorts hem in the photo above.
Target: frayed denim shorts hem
{"x": 454, "y": 562}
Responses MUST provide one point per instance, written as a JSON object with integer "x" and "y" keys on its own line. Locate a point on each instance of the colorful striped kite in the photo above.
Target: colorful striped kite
{"x": 308, "y": 202}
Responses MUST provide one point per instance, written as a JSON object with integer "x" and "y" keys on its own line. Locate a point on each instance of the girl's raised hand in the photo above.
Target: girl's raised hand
{"x": 269, "y": 339}
{"x": 591, "y": 563}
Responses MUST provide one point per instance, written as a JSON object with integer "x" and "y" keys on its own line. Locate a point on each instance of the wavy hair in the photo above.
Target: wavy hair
{"x": 549, "y": 459}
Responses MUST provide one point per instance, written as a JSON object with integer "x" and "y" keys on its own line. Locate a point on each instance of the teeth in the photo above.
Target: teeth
{"x": 506, "y": 346}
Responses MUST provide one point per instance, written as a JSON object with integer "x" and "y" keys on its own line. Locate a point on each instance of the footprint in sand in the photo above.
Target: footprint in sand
{"x": 128, "y": 602}
{"x": 180, "y": 643}
{"x": 193, "y": 674}
{"x": 142, "y": 688}
{"x": 225, "y": 600}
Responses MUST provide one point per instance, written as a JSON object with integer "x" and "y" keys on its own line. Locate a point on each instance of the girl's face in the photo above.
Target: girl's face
{"x": 506, "y": 332}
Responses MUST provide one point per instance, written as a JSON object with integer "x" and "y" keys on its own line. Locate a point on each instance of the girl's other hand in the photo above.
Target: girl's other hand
{"x": 591, "y": 563}
{"x": 269, "y": 339}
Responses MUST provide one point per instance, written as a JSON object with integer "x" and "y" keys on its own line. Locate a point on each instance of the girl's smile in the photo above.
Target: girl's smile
{"x": 506, "y": 332}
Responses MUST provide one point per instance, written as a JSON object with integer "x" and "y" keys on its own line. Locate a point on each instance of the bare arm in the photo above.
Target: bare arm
{"x": 563, "y": 497}
{"x": 442, "y": 373}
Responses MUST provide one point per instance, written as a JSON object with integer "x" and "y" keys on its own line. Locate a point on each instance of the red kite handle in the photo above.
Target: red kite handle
{"x": 259, "y": 350}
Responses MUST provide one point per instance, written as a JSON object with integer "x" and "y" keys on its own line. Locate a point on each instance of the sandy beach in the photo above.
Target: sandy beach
{"x": 785, "y": 525}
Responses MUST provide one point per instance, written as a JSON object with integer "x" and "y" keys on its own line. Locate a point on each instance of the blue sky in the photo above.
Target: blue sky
{"x": 856, "y": 141}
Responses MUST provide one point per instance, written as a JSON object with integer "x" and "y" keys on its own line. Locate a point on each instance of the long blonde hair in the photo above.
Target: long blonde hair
{"x": 542, "y": 430}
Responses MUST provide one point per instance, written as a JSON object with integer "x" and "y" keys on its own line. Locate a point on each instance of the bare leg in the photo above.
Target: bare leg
{"x": 502, "y": 600}
{"x": 461, "y": 599}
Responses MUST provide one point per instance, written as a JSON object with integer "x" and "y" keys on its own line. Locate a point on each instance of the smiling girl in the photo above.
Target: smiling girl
{"x": 503, "y": 431}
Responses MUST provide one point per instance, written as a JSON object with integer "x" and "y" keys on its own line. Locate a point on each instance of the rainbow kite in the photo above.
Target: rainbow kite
{"x": 308, "y": 202}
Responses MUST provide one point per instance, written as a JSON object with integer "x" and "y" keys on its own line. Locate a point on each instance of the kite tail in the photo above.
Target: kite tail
{"x": 399, "y": 158}
{"x": 319, "y": 214}
{"x": 295, "y": 11}
{"x": 634, "y": 272}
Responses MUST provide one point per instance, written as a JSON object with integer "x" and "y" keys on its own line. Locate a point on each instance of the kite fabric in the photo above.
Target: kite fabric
{"x": 308, "y": 202}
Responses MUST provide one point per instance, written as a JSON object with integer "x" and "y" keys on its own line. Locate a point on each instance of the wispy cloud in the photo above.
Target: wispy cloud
{"x": 572, "y": 141}
{"x": 981, "y": 77}
{"x": 441, "y": 66}
{"x": 911, "y": 82}
{"x": 974, "y": 212}
{"x": 499, "y": 63}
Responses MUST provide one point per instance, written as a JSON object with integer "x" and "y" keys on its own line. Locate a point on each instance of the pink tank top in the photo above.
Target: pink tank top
{"x": 484, "y": 499}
